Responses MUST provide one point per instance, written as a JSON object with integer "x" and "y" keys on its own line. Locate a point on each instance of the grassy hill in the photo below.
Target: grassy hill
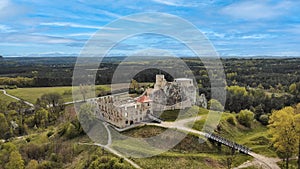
{"x": 189, "y": 153}
{"x": 256, "y": 137}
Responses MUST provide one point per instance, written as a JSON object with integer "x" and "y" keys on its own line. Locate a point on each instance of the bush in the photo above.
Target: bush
{"x": 11, "y": 87}
{"x": 30, "y": 121}
{"x": 215, "y": 105}
{"x": 28, "y": 139}
{"x": 34, "y": 151}
{"x": 231, "y": 120}
{"x": 50, "y": 133}
{"x": 72, "y": 131}
{"x": 264, "y": 119}
{"x": 33, "y": 164}
{"x": 105, "y": 162}
{"x": 245, "y": 117}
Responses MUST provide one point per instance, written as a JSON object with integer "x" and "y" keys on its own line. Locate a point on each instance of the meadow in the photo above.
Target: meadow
{"x": 5, "y": 99}
{"x": 32, "y": 94}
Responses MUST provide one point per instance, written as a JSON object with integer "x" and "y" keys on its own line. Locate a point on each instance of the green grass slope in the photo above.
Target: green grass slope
{"x": 256, "y": 137}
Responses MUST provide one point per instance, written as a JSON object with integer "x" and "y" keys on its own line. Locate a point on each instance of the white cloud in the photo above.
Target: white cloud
{"x": 291, "y": 29}
{"x": 107, "y": 13}
{"x": 178, "y": 3}
{"x": 257, "y": 9}
{"x": 210, "y": 33}
{"x": 6, "y": 29}
{"x": 68, "y": 24}
{"x": 75, "y": 25}
{"x": 257, "y": 36}
{"x": 30, "y": 38}
{"x": 9, "y": 9}
{"x": 82, "y": 34}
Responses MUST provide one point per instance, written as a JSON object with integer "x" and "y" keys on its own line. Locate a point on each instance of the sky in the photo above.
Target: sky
{"x": 235, "y": 28}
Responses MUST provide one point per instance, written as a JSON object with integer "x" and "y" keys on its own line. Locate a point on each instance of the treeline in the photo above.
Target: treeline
{"x": 8, "y": 82}
{"x": 271, "y": 74}
{"x": 256, "y": 100}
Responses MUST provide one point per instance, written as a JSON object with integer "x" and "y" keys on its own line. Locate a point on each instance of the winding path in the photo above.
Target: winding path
{"x": 262, "y": 161}
{"x": 16, "y": 98}
{"x": 108, "y": 148}
{"x": 259, "y": 160}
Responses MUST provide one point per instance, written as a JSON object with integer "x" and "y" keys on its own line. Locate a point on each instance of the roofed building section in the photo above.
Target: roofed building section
{"x": 122, "y": 111}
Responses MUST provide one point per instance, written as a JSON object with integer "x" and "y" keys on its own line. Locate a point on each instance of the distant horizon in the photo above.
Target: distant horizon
{"x": 227, "y": 57}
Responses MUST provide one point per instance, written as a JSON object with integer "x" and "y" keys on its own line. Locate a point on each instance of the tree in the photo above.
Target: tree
{"x": 4, "y": 127}
{"x": 215, "y": 105}
{"x": 297, "y": 108}
{"x": 297, "y": 126}
{"x": 53, "y": 102}
{"x": 258, "y": 111}
{"x": 293, "y": 88}
{"x": 104, "y": 162}
{"x": 15, "y": 161}
{"x": 41, "y": 117}
{"x": 72, "y": 131}
{"x": 83, "y": 90}
{"x": 86, "y": 116}
{"x": 245, "y": 117}
{"x": 264, "y": 119}
{"x": 134, "y": 86}
{"x": 20, "y": 106}
{"x": 33, "y": 164}
{"x": 5, "y": 151}
{"x": 52, "y": 99}
{"x": 285, "y": 132}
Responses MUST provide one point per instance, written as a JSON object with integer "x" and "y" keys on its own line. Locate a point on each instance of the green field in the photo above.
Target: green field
{"x": 172, "y": 115}
{"x": 31, "y": 94}
{"x": 5, "y": 99}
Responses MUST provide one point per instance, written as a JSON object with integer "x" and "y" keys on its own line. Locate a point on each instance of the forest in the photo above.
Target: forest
{"x": 259, "y": 94}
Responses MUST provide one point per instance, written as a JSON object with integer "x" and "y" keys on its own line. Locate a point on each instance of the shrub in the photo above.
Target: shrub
{"x": 11, "y": 87}
{"x": 71, "y": 131}
{"x": 231, "y": 120}
{"x": 245, "y": 117}
{"x": 28, "y": 139}
{"x": 33, "y": 164}
{"x": 264, "y": 119}
{"x": 33, "y": 151}
{"x": 30, "y": 121}
{"x": 215, "y": 105}
{"x": 50, "y": 133}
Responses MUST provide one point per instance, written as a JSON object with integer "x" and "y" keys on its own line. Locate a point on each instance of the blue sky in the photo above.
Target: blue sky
{"x": 235, "y": 28}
